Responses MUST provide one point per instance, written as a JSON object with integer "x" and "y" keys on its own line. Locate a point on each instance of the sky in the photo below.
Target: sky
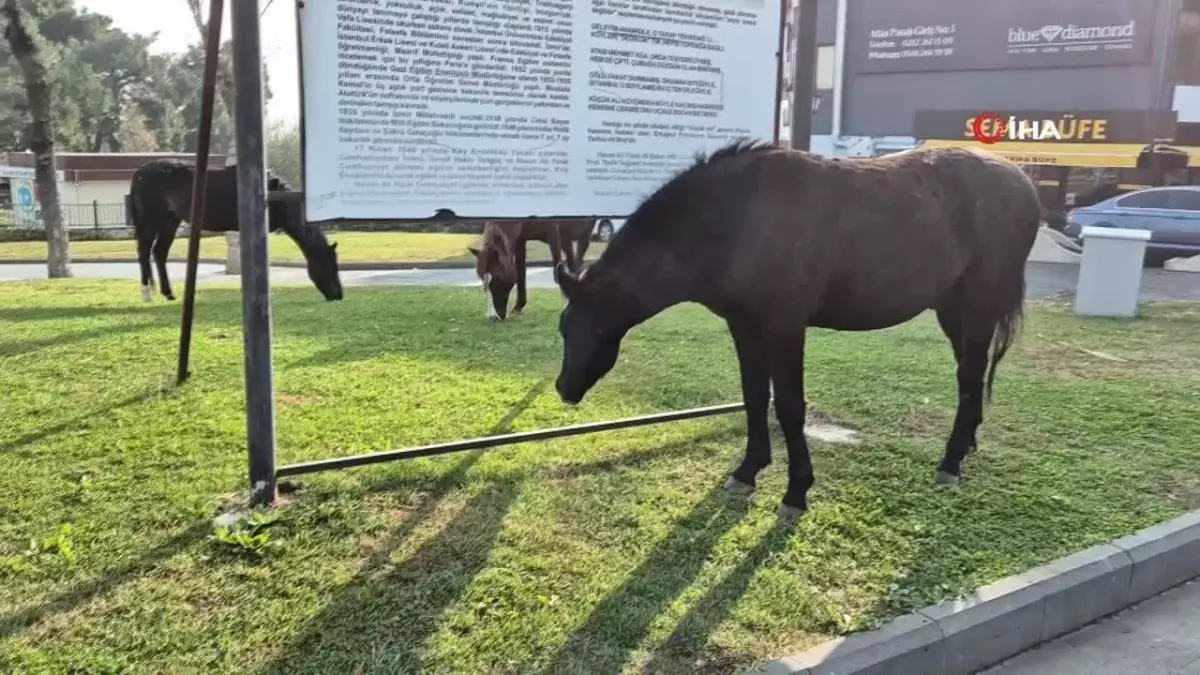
{"x": 173, "y": 23}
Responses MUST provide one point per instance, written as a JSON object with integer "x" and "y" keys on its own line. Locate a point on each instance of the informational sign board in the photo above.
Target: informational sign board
{"x": 524, "y": 108}
{"x": 890, "y": 36}
{"x": 27, "y": 208}
{"x": 24, "y": 172}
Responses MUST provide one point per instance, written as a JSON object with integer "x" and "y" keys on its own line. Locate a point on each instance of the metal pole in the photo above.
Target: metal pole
{"x": 212, "y": 46}
{"x": 252, "y": 225}
{"x": 803, "y": 75}
{"x": 506, "y": 439}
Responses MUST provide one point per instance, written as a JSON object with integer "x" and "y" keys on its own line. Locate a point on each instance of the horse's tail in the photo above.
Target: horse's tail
{"x": 1007, "y": 328}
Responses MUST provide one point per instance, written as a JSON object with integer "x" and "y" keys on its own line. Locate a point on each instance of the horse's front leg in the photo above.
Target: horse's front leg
{"x": 519, "y": 256}
{"x": 756, "y": 395}
{"x": 786, "y": 356}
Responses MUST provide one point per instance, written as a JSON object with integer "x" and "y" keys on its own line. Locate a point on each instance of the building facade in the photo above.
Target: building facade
{"x": 883, "y": 63}
{"x": 92, "y": 186}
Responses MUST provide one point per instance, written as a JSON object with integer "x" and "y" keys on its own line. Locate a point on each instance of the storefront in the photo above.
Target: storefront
{"x": 1070, "y": 151}
{"x": 963, "y": 58}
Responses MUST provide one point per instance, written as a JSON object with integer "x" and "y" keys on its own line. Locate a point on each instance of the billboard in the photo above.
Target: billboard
{"x": 1048, "y": 126}
{"x": 519, "y": 109}
{"x": 887, "y": 36}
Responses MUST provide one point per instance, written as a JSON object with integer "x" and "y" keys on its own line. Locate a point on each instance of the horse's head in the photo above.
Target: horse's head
{"x": 496, "y": 267}
{"x": 323, "y": 270}
{"x": 592, "y": 328}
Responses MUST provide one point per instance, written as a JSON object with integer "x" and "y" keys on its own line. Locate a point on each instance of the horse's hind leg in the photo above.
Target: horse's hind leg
{"x": 756, "y": 396}
{"x": 970, "y": 335}
{"x": 145, "y": 244}
{"x": 519, "y": 259}
{"x": 584, "y": 241}
{"x": 162, "y": 247}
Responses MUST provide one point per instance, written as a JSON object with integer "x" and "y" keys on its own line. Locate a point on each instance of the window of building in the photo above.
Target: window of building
{"x": 823, "y": 75}
{"x": 826, "y": 57}
{"x": 1187, "y": 45}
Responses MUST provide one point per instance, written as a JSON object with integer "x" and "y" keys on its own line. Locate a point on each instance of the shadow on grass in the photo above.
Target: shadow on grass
{"x": 693, "y": 630}
{"x": 52, "y": 313}
{"x": 68, "y": 424}
{"x": 617, "y": 625}
{"x": 19, "y": 347}
{"x": 103, "y": 583}
{"x": 382, "y": 620}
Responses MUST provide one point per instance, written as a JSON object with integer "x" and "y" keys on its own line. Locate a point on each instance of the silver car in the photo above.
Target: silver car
{"x": 1171, "y": 214}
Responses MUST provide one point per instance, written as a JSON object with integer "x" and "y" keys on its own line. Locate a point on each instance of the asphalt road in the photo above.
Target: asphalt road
{"x": 1043, "y": 280}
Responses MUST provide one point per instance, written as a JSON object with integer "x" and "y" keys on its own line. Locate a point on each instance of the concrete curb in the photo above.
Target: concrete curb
{"x": 1013, "y": 615}
{"x": 345, "y": 266}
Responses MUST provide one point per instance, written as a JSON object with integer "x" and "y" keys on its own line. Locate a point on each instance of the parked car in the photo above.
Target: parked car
{"x": 1171, "y": 214}
{"x": 606, "y": 228}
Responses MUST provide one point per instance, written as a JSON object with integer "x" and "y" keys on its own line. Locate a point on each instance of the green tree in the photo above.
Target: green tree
{"x": 26, "y": 49}
{"x": 283, "y": 153}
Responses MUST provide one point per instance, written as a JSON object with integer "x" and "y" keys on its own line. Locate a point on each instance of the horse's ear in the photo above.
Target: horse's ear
{"x": 333, "y": 246}
{"x": 567, "y": 281}
{"x": 474, "y": 251}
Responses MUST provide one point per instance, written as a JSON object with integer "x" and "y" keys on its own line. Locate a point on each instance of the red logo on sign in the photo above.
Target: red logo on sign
{"x": 999, "y": 128}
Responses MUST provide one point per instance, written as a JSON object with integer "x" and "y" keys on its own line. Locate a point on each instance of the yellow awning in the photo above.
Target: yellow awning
{"x": 1098, "y": 155}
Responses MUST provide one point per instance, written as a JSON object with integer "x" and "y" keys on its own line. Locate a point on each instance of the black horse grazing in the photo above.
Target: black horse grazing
{"x": 774, "y": 241}
{"x": 161, "y": 197}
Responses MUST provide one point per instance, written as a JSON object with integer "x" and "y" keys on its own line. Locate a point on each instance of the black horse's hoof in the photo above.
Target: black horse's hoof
{"x": 946, "y": 478}
{"x": 790, "y": 513}
{"x": 737, "y": 487}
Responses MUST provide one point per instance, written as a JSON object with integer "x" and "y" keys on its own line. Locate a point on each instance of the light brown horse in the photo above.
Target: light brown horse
{"x": 500, "y": 259}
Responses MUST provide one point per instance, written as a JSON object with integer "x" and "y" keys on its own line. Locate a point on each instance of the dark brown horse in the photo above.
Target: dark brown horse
{"x": 161, "y": 197}
{"x": 775, "y": 240}
{"x": 500, "y": 259}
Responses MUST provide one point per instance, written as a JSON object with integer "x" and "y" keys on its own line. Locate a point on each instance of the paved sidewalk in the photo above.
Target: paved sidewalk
{"x": 1161, "y": 636}
{"x": 1043, "y": 280}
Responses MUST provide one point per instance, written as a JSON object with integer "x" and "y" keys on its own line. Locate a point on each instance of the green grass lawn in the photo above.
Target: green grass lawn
{"x": 616, "y": 553}
{"x": 352, "y": 247}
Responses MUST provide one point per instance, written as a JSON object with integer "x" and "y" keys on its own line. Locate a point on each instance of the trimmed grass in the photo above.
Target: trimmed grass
{"x": 352, "y": 247}
{"x": 616, "y": 553}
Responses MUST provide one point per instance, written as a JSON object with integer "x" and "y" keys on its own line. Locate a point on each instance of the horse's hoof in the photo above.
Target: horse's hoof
{"x": 946, "y": 478}
{"x": 790, "y": 513}
{"x": 147, "y": 294}
{"x": 737, "y": 487}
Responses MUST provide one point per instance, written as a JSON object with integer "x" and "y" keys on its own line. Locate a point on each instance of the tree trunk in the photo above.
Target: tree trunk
{"x": 41, "y": 137}
{"x": 224, "y": 70}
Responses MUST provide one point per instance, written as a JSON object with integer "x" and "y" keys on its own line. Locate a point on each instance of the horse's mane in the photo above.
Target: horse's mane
{"x": 689, "y": 182}
{"x": 494, "y": 237}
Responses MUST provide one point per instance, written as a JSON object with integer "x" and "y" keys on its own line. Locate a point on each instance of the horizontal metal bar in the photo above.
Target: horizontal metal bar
{"x": 285, "y": 197}
{"x": 505, "y": 439}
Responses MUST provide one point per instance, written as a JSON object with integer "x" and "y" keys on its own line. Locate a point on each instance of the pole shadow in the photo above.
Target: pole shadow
{"x": 102, "y": 584}
{"x": 19, "y": 347}
{"x": 65, "y": 425}
{"x": 383, "y": 620}
{"x": 698, "y": 624}
{"x": 617, "y": 625}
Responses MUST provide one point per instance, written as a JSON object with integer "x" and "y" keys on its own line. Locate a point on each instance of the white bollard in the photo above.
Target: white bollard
{"x": 1110, "y": 276}
{"x": 233, "y": 253}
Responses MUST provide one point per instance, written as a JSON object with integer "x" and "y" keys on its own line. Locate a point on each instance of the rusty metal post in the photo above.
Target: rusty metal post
{"x": 804, "y": 74}
{"x": 256, "y": 266}
{"x": 212, "y": 52}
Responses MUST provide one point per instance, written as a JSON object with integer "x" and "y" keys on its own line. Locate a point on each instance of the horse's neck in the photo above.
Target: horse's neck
{"x": 649, "y": 283}
{"x": 303, "y": 238}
